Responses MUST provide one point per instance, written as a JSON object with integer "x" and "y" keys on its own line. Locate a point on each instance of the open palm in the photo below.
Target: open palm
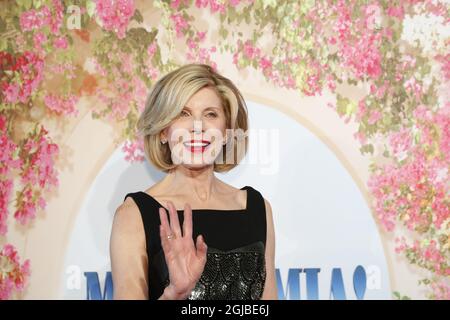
{"x": 185, "y": 261}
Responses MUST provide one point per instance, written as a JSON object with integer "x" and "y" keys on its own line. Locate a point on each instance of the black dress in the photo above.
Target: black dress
{"x": 235, "y": 267}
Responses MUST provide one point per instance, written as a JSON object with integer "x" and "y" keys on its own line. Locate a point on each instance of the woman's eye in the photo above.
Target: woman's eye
{"x": 212, "y": 114}
{"x": 183, "y": 113}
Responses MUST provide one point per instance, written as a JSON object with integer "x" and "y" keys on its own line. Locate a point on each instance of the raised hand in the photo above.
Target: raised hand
{"x": 185, "y": 261}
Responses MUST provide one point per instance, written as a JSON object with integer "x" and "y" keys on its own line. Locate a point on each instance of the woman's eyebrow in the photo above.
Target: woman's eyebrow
{"x": 208, "y": 108}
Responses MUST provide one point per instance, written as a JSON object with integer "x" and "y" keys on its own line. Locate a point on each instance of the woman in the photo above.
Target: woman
{"x": 192, "y": 126}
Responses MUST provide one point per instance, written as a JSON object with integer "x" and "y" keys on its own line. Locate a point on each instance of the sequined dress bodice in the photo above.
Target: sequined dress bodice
{"x": 236, "y": 239}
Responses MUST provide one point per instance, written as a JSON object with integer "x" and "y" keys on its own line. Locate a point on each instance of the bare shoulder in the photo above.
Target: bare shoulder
{"x": 268, "y": 207}
{"x": 128, "y": 207}
{"x": 128, "y": 255}
{"x": 127, "y": 217}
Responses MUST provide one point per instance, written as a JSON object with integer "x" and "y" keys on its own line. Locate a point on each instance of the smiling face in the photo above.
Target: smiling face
{"x": 194, "y": 102}
{"x": 197, "y": 135}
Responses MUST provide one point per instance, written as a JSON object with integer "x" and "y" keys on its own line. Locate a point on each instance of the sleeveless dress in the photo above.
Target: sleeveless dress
{"x": 235, "y": 266}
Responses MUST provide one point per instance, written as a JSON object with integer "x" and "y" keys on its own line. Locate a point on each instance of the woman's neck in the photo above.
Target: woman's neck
{"x": 201, "y": 183}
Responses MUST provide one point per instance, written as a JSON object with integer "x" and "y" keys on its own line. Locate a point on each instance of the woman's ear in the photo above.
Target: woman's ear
{"x": 163, "y": 137}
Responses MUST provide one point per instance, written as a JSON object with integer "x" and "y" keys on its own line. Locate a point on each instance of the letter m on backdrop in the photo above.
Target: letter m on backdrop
{"x": 94, "y": 292}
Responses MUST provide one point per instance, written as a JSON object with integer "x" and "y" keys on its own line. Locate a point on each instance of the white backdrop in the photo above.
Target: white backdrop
{"x": 321, "y": 218}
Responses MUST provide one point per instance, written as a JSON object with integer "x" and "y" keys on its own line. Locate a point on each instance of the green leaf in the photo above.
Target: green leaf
{"x": 138, "y": 16}
{"x": 90, "y": 6}
{"x": 223, "y": 32}
{"x": 3, "y": 44}
{"x": 344, "y": 105}
{"x": 2, "y": 26}
{"x": 27, "y": 4}
{"x": 368, "y": 148}
{"x": 37, "y": 3}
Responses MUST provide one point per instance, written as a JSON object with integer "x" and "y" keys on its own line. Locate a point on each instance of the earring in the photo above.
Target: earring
{"x": 163, "y": 141}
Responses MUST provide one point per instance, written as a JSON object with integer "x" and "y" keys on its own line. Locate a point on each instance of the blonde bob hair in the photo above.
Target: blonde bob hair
{"x": 166, "y": 101}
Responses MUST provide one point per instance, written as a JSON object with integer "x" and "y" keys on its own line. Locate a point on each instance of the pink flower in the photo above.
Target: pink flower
{"x": 99, "y": 68}
{"x": 66, "y": 68}
{"x": 11, "y": 92}
{"x": 60, "y": 43}
{"x": 414, "y": 188}
{"x": 201, "y": 36}
{"x": 26, "y": 73}
{"x": 140, "y": 93}
{"x": 115, "y": 15}
{"x": 423, "y": 113}
{"x": 122, "y": 94}
{"x": 191, "y": 44}
{"x": 400, "y": 244}
{"x": 235, "y": 3}
{"x": 313, "y": 81}
{"x": 361, "y": 137}
{"x": 33, "y": 19}
{"x": 343, "y": 22}
{"x": 180, "y": 23}
{"x": 198, "y": 54}
{"x": 40, "y": 153}
{"x": 8, "y": 162}
{"x": 151, "y": 49}
{"x": 395, "y": 12}
{"x": 372, "y": 16}
{"x": 358, "y": 52}
{"x": 201, "y": 3}
{"x": 440, "y": 291}
{"x": 174, "y": 4}
{"x": 36, "y": 19}
{"x": 363, "y": 57}
{"x": 217, "y": 6}
{"x": 400, "y": 141}
{"x": 331, "y": 84}
{"x": 265, "y": 63}
{"x": 62, "y": 105}
{"x": 27, "y": 207}
{"x": 152, "y": 72}
{"x": 380, "y": 91}
{"x": 289, "y": 83}
{"x": 38, "y": 174}
{"x": 134, "y": 150}
{"x": 39, "y": 38}
{"x": 15, "y": 275}
{"x": 8, "y": 158}
{"x": 127, "y": 62}
{"x": 445, "y": 65}
{"x": 57, "y": 18}
{"x": 414, "y": 87}
{"x": 375, "y": 115}
{"x": 6, "y": 187}
{"x": 120, "y": 100}
{"x": 250, "y": 51}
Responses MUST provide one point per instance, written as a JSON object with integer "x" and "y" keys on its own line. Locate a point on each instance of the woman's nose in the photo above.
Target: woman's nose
{"x": 197, "y": 126}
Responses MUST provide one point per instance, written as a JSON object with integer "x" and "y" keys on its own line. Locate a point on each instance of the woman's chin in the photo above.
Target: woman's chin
{"x": 197, "y": 166}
